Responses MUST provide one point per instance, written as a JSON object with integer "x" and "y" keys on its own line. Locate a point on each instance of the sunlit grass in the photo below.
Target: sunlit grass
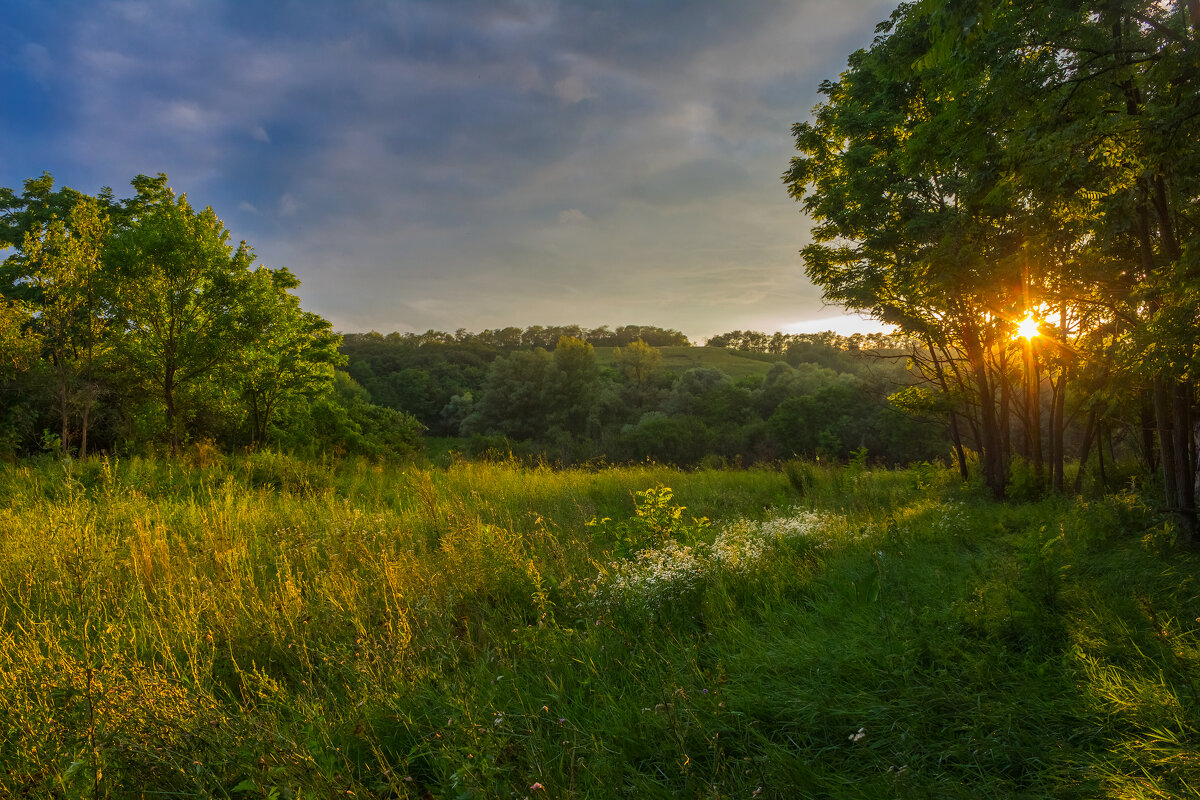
{"x": 267, "y": 627}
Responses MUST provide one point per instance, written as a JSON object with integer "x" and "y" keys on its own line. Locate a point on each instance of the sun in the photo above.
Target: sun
{"x": 1027, "y": 328}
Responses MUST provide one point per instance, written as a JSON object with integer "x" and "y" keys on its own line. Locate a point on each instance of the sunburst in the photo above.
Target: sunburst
{"x": 1028, "y": 328}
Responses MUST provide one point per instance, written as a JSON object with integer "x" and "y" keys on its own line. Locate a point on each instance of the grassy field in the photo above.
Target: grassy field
{"x": 734, "y": 363}
{"x": 267, "y": 627}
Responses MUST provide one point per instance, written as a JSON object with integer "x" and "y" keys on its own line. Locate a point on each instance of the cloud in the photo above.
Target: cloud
{"x": 289, "y": 205}
{"x": 572, "y": 89}
{"x": 573, "y": 216}
{"x": 444, "y": 152}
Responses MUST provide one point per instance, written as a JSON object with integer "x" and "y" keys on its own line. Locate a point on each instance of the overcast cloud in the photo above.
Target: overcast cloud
{"x": 454, "y": 164}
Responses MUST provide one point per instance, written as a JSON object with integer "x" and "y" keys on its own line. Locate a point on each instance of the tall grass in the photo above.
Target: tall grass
{"x": 268, "y": 627}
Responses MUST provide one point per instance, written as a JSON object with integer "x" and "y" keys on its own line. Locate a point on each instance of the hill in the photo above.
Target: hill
{"x": 737, "y": 364}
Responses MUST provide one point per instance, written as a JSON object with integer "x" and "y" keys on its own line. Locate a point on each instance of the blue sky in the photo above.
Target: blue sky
{"x": 451, "y": 164}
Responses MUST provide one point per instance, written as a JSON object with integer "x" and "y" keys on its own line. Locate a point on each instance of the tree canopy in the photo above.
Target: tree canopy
{"x": 986, "y": 162}
{"x": 138, "y": 324}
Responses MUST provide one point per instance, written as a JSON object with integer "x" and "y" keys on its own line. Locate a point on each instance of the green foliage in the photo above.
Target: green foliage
{"x": 152, "y": 330}
{"x": 264, "y": 625}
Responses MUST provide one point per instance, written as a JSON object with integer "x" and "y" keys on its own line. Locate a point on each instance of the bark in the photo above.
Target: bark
{"x": 169, "y": 400}
{"x": 1058, "y": 431}
{"x": 1034, "y": 411}
{"x": 1185, "y": 475}
{"x": 1149, "y": 447}
{"x": 1100, "y": 456}
{"x": 1165, "y": 423}
{"x": 1085, "y": 451}
{"x": 995, "y": 468}
{"x": 955, "y": 434}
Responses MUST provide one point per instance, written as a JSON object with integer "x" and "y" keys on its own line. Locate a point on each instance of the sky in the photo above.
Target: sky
{"x": 456, "y": 163}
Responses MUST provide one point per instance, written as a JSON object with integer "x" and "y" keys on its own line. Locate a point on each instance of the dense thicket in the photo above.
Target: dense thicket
{"x": 135, "y": 324}
{"x": 825, "y": 396}
{"x": 986, "y": 162}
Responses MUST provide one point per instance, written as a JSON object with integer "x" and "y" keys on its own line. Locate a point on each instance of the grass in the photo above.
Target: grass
{"x": 266, "y": 627}
{"x": 734, "y": 363}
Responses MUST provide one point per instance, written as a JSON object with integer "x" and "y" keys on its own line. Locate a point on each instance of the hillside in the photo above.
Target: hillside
{"x": 737, "y": 364}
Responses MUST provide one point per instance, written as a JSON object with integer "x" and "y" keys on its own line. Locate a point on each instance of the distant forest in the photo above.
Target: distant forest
{"x": 569, "y": 394}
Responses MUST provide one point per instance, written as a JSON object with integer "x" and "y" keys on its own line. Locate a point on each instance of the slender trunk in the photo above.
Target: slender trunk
{"x": 995, "y": 473}
{"x": 1005, "y": 411}
{"x": 1100, "y": 456}
{"x": 85, "y": 413}
{"x": 169, "y": 399}
{"x": 1085, "y": 451}
{"x": 1163, "y": 408}
{"x": 1185, "y": 473}
{"x": 254, "y": 423}
{"x": 1034, "y": 421}
{"x": 1058, "y": 426}
{"x": 1149, "y": 447}
{"x": 64, "y": 412}
{"x": 955, "y": 434}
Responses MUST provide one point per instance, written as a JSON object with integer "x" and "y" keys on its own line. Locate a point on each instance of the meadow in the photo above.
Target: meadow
{"x": 269, "y": 627}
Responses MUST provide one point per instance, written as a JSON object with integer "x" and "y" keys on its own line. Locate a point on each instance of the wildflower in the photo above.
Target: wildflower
{"x": 859, "y": 736}
{"x": 536, "y": 786}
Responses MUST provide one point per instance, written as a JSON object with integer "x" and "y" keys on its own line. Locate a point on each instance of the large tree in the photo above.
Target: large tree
{"x": 292, "y": 357}
{"x": 986, "y": 160}
{"x": 64, "y": 263}
{"x": 178, "y": 288}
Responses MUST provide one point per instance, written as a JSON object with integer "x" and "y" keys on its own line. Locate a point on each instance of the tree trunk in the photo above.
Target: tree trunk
{"x": 1185, "y": 473}
{"x": 1100, "y": 456}
{"x": 1058, "y": 407}
{"x": 85, "y": 413}
{"x": 995, "y": 471}
{"x": 955, "y": 434}
{"x": 64, "y": 413}
{"x": 169, "y": 400}
{"x": 1149, "y": 447}
{"x": 1165, "y": 422}
{"x": 1085, "y": 451}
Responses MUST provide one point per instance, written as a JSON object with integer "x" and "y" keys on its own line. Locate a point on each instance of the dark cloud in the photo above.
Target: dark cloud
{"x": 446, "y": 164}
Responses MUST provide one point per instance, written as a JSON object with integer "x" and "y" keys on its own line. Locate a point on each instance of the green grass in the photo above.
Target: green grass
{"x": 734, "y": 363}
{"x": 267, "y": 627}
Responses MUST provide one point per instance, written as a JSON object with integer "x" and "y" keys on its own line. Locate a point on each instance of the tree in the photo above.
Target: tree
{"x": 292, "y": 356}
{"x": 913, "y": 222}
{"x": 178, "y": 294}
{"x": 571, "y": 385}
{"x": 638, "y": 362}
{"x": 985, "y": 160}
{"x": 512, "y": 401}
{"x": 64, "y": 263}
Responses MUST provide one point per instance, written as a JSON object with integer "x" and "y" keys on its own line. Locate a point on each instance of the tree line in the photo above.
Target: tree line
{"x": 133, "y": 324}
{"x": 779, "y": 343}
{"x": 544, "y": 336}
{"x": 1016, "y": 187}
{"x": 572, "y": 403}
